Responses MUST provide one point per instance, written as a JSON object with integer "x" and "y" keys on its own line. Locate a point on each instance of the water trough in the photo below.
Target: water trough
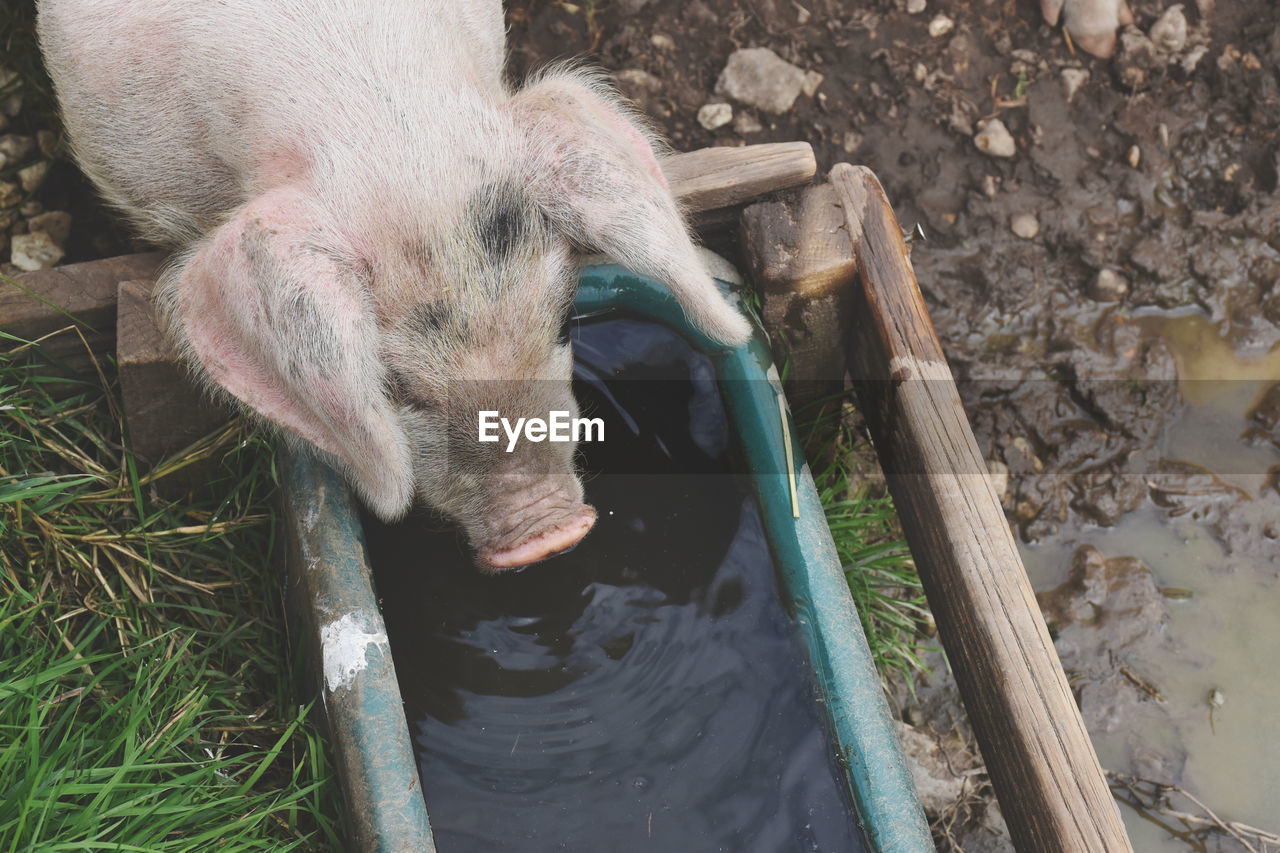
{"x": 332, "y": 584}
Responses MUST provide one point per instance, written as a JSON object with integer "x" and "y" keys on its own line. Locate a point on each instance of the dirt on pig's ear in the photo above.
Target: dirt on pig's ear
{"x": 267, "y": 309}
{"x": 591, "y": 167}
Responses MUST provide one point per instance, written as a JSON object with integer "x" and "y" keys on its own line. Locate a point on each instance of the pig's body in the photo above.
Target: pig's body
{"x": 180, "y": 112}
{"x": 376, "y": 233}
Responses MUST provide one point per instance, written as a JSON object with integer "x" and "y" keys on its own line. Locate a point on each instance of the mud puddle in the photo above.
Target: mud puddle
{"x": 646, "y": 691}
{"x": 1165, "y": 622}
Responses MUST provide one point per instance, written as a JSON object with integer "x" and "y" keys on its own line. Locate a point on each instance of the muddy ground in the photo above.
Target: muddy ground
{"x": 1160, "y": 169}
{"x": 1139, "y": 189}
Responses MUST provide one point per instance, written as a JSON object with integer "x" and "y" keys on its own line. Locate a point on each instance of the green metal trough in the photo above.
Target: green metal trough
{"x": 331, "y": 591}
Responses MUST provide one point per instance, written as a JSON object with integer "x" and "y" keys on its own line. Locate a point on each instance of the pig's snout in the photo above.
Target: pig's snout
{"x": 547, "y": 541}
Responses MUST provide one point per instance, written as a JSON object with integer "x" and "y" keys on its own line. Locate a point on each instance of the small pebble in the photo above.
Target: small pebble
{"x": 940, "y": 26}
{"x": 999, "y": 474}
{"x": 994, "y": 138}
{"x": 989, "y": 186}
{"x": 1107, "y": 286}
{"x": 32, "y": 176}
{"x": 1072, "y": 80}
{"x": 1169, "y": 32}
{"x": 920, "y": 72}
{"x": 915, "y": 7}
{"x": 30, "y": 208}
{"x": 802, "y": 15}
{"x": 1025, "y": 225}
{"x": 662, "y": 41}
{"x": 36, "y": 251}
{"x": 15, "y": 149}
{"x": 1134, "y": 156}
{"x": 758, "y": 77}
{"x": 812, "y": 80}
{"x": 746, "y": 123}
{"x": 55, "y": 223}
{"x": 852, "y": 141}
{"x": 48, "y": 142}
{"x": 10, "y": 194}
{"x": 715, "y": 116}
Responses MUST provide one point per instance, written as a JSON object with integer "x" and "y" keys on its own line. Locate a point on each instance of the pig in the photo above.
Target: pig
{"x": 1092, "y": 24}
{"x": 376, "y": 237}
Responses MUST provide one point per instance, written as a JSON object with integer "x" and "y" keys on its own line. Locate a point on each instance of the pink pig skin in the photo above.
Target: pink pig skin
{"x": 376, "y": 238}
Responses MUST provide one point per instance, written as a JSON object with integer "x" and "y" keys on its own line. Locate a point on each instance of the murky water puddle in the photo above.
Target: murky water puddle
{"x": 646, "y": 691}
{"x": 1210, "y": 535}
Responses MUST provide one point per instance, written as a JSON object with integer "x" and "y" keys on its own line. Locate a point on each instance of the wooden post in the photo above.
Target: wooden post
{"x": 799, "y": 256}
{"x": 1045, "y": 773}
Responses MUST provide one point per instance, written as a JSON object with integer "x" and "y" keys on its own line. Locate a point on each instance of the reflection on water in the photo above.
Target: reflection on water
{"x": 644, "y": 692}
{"x": 1213, "y": 546}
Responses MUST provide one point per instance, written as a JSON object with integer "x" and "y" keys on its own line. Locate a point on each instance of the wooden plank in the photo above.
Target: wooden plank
{"x": 35, "y": 304}
{"x": 40, "y": 302}
{"x": 164, "y": 409}
{"x": 1045, "y": 773}
{"x": 712, "y": 178}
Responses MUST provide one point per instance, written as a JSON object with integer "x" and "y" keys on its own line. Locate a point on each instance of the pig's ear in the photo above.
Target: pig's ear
{"x": 592, "y": 169}
{"x": 278, "y": 317}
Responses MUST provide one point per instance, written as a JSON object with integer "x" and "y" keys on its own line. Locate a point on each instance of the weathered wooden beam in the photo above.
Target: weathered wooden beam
{"x": 713, "y": 178}
{"x": 37, "y": 303}
{"x": 1045, "y": 773}
{"x": 798, "y": 251}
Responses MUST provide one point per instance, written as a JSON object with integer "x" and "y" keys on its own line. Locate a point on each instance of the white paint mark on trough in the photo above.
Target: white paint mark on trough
{"x": 343, "y": 644}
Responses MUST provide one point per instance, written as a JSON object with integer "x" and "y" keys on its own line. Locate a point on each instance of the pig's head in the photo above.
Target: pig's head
{"x": 381, "y": 353}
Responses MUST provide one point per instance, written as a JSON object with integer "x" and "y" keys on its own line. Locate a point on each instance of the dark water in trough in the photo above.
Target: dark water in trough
{"x": 646, "y": 691}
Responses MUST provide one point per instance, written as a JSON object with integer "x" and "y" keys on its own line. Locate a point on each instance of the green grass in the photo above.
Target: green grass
{"x": 147, "y": 701}
{"x": 864, "y": 525}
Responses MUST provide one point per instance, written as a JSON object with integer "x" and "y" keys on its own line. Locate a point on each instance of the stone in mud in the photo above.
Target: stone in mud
{"x": 15, "y": 149}
{"x": 1107, "y": 286}
{"x": 31, "y": 177}
{"x": 758, "y": 77}
{"x": 1169, "y": 32}
{"x": 1072, "y": 80}
{"x": 745, "y": 124}
{"x": 940, "y": 26}
{"x": 36, "y": 251}
{"x": 55, "y": 223}
{"x": 10, "y": 194}
{"x": 995, "y": 139}
{"x": 715, "y": 116}
{"x": 1137, "y": 58}
{"x": 1025, "y": 225}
